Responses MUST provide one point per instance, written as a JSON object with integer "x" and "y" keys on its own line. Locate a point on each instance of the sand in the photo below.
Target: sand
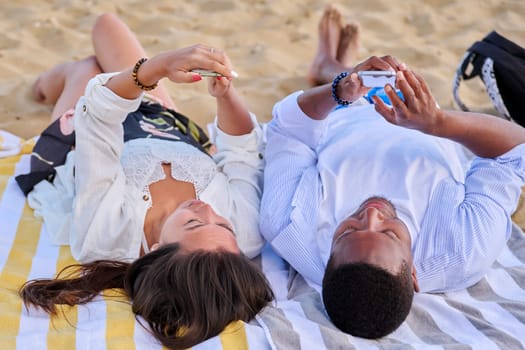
{"x": 270, "y": 42}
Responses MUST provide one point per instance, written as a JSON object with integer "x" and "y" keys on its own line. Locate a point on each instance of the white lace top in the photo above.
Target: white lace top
{"x": 142, "y": 161}
{"x": 98, "y": 199}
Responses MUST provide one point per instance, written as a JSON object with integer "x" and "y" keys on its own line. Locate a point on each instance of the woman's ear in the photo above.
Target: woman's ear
{"x": 154, "y": 246}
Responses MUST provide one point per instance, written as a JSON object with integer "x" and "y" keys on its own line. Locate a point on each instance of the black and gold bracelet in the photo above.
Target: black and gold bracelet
{"x": 136, "y": 79}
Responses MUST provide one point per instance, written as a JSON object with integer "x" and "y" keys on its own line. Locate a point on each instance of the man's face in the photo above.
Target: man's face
{"x": 373, "y": 234}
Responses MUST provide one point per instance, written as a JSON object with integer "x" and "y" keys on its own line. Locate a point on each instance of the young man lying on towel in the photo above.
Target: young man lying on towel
{"x": 376, "y": 201}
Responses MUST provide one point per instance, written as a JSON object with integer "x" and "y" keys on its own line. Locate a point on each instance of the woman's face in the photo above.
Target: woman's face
{"x": 196, "y": 226}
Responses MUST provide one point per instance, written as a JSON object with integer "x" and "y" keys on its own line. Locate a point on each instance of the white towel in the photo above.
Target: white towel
{"x": 10, "y": 144}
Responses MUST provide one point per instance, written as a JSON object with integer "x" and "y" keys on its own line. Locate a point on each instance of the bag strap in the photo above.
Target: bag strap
{"x": 461, "y": 74}
{"x": 481, "y": 55}
{"x": 489, "y": 79}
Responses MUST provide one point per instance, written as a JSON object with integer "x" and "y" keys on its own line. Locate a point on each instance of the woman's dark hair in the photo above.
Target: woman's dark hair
{"x": 185, "y": 298}
{"x": 365, "y": 300}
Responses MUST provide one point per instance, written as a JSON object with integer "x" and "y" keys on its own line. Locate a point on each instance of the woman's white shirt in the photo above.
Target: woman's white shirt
{"x": 98, "y": 199}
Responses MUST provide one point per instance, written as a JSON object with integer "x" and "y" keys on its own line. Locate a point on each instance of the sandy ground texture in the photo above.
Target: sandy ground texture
{"x": 270, "y": 42}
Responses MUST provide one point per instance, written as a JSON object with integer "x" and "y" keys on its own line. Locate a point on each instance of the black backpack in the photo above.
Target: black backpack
{"x": 500, "y": 63}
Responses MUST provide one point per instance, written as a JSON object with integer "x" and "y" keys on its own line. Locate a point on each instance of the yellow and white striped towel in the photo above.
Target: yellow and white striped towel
{"x": 105, "y": 323}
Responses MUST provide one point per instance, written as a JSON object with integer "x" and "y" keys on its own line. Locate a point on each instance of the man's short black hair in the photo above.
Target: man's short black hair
{"x": 365, "y": 300}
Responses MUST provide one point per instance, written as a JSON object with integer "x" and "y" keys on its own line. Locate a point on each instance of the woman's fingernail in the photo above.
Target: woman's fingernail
{"x": 219, "y": 78}
{"x": 196, "y": 77}
{"x": 234, "y": 74}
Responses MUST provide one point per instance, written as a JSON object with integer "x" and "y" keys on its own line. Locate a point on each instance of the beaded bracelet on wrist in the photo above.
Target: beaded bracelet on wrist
{"x": 136, "y": 79}
{"x": 336, "y": 81}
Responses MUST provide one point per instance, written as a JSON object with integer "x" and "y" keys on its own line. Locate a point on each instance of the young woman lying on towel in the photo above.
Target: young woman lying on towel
{"x": 141, "y": 202}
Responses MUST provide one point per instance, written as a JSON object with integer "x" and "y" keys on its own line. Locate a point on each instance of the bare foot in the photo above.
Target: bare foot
{"x": 49, "y": 85}
{"x": 63, "y": 84}
{"x": 329, "y": 31}
{"x": 349, "y": 44}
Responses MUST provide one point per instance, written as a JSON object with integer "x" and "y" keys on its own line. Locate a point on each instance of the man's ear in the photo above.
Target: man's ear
{"x": 414, "y": 279}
